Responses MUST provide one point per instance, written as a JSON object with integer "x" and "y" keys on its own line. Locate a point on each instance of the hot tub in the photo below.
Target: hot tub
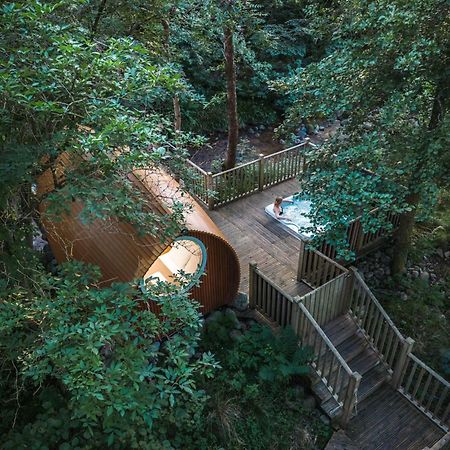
{"x": 294, "y": 219}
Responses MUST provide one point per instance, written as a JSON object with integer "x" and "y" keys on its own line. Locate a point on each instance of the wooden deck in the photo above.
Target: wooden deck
{"x": 258, "y": 238}
{"x": 386, "y": 421}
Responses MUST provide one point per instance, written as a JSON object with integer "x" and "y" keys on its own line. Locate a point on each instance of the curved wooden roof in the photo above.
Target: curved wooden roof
{"x": 115, "y": 246}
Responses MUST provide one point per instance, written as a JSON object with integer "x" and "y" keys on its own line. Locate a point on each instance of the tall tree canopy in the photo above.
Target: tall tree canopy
{"x": 386, "y": 71}
{"x": 78, "y": 360}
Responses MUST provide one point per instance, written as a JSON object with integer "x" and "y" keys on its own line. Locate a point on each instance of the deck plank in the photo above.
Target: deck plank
{"x": 258, "y": 238}
{"x": 389, "y": 421}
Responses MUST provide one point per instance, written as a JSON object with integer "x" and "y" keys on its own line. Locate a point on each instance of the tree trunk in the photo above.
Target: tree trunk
{"x": 100, "y": 10}
{"x": 403, "y": 236}
{"x": 407, "y": 220}
{"x": 230, "y": 73}
{"x": 176, "y": 101}
{"x": 177, "y": 113}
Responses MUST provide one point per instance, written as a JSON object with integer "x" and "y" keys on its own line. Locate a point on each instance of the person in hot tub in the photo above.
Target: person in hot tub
{"x": 278, "y": 209}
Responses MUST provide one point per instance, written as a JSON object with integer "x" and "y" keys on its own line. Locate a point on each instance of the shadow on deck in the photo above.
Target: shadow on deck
{"x": 258, "y": 238}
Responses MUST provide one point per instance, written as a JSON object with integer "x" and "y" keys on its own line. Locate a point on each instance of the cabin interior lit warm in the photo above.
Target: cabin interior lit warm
{"x": 184, "y": 258}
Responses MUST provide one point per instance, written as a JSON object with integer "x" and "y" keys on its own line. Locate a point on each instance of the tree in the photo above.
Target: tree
{"x": 81, "y": 365}
{"x": 385, "y": 75}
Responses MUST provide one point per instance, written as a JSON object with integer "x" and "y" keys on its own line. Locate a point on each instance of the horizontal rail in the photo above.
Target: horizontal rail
{"x": 195, "y": 167}
{"x": 427, "y": 390}
{"x": 294, "y": 147}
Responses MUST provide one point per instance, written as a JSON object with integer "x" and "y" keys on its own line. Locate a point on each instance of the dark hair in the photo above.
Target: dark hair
{"x": 278, "y": 199}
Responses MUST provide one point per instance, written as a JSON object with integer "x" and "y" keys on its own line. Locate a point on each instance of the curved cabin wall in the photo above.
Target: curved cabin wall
{"x": 124, "y": 256}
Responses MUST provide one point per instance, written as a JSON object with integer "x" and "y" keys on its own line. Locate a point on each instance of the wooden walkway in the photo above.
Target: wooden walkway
{"x": 385, "y": 419}
{"x": 258, "y": 238}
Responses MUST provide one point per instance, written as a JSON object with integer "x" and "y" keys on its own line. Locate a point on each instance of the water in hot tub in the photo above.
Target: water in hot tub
{"x": 296, "y": 213}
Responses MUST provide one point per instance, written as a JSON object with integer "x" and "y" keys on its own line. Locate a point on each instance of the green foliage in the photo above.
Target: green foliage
{"x": 254, "y": 402}
{"x": 94, "y": 364}
{"x": 384, "y": 73}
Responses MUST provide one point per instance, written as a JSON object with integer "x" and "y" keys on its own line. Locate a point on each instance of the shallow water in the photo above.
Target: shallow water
{"x": 295, "y": 213}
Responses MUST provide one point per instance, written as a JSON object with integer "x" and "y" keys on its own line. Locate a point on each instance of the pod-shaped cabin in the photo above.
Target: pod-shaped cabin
{"x": 199, "y": 252}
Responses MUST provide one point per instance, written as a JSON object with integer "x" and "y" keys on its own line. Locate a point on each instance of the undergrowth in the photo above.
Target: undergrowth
{"x": 257, "y": 399}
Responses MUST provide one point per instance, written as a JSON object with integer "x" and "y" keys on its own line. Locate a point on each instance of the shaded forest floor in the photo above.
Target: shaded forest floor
{"x": 253, "y": 141}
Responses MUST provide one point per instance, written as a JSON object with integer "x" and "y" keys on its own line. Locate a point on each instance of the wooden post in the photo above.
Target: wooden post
{"x": 301, "y": 261}
{"x": 305, "y": 164}
{"x": 251, "y": 285}
{"x": 261, "y": 172}
{"x": 348, "y": 290}
{"x": 350, "y": 398}
{"x": 401, "y": 364}
{"x": 209, "y": 187}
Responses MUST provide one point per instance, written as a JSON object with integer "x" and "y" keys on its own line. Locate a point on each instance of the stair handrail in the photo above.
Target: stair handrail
{"x": 379, "y": 329}
{"x": 322, "y": 334}
{"x": 348, "y": 398}
{"x": 376, "y": 302}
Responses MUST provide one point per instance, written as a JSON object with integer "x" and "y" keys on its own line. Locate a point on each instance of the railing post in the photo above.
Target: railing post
{"x": 348, "y": 291}
{"x": 209, "y": 187}
{"x": 401, "y": 364}
{"x": 351, "y": 398}
{"x": 301, "y": 261}
{"x": 305, "y": 164}
{"x": 261, "y": 172}
{"x": 251, "y": 285}
{"x": 295, "y": 317}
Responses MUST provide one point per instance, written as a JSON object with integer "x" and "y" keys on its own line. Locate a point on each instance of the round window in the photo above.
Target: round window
{"x": 182, "y": 263}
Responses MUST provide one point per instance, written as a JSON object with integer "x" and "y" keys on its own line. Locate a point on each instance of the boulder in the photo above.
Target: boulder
{"x": 241, "y": 301}
{"x": 425, "y": 276}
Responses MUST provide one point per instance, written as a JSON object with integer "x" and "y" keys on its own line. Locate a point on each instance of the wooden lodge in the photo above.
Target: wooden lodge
{"x": 122, "y": 254}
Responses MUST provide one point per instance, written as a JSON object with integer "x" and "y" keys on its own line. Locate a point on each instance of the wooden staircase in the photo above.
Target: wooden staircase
{"x": 358, "y": 354}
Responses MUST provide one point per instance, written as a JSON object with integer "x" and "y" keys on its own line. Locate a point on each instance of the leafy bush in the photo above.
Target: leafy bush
{"x": 84, "y": 367}
{"x": 254, "y": 401}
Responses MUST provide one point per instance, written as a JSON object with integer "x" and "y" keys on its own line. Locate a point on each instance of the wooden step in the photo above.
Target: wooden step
{"x": 364, "y": 361}
{"x": 370, "y": 382}
{"x": 340, "y": 329}
{"x": 352, "y": 346}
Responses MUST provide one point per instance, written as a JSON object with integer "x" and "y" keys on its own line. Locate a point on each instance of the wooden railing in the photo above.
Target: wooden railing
{"x": 200, "y": 184}
{"x": 330, "y": 300}
{"x": 282, "y": 166}
{"x": 265, "y": 295}
{"x": 361, "y": 242}
{"x": 315, "y": 268}
{"x": 235, "y": 183}
{"x": 328, "y": 364}
{"x": 224, "y": 187}
{"x": 378, "y": 327}
{"x": 427, "y": 390}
